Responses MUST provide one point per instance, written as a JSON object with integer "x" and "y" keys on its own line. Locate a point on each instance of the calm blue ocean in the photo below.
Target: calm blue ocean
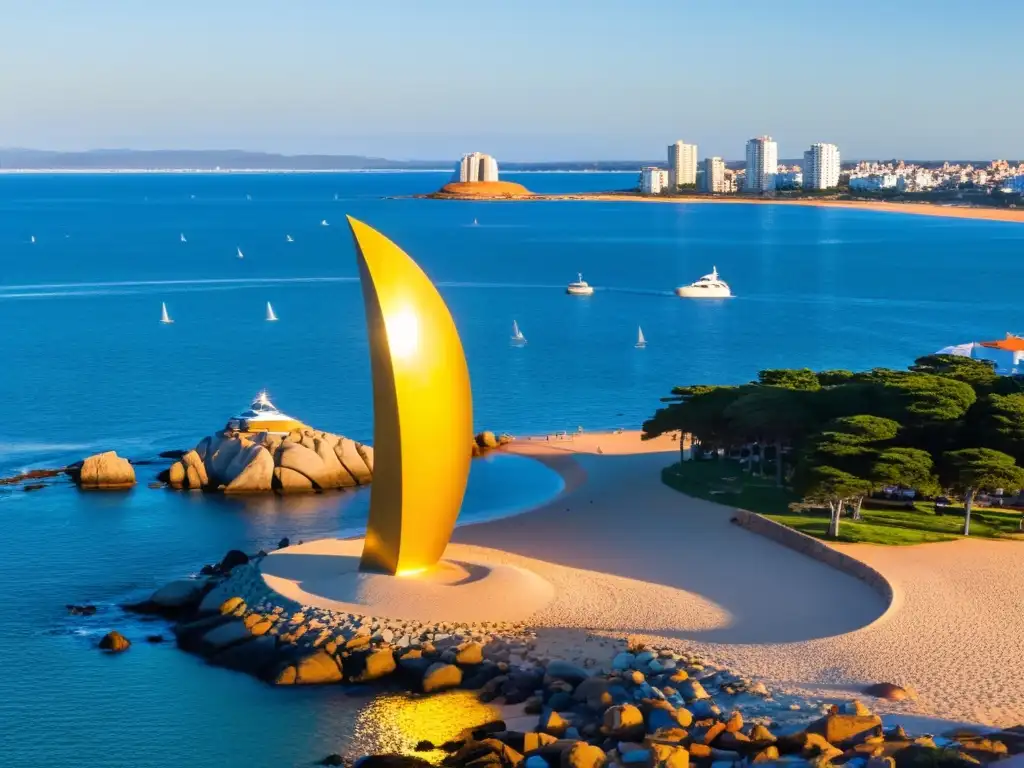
{"x": 85, "y": 366}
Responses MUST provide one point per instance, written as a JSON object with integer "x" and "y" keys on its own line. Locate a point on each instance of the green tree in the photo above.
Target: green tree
{"x": 1003, "y": 424}
{"x": 771, "y": 414}
{"x": 904, "y": 467}
{"x": 852, "y": 444}
{"x": 832, "y": 486}
{"x": 698, "y": 411}
{"x": 789, "y": 378}
{"x": 970, "y": 470}
{"x": 978, "y": 373}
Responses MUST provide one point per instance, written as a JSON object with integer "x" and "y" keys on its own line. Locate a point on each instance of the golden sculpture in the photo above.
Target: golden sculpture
{"x": 422, "y": 410}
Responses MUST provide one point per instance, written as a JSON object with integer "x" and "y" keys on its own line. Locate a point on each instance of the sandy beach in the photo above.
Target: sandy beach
{"x": 918, "y": 209}
{"x": 629, "y": 556}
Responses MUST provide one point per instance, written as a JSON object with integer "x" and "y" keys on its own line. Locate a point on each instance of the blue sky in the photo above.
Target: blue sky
{"x": 524, "y": 79}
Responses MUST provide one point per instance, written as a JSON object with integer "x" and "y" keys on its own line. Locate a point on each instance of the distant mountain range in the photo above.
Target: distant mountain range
{"x": 240, "y": 160}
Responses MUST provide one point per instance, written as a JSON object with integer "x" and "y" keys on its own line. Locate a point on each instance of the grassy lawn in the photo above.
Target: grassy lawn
{"x": 882, "y": 523}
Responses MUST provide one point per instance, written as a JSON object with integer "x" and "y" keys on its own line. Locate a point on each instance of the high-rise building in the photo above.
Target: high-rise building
{"x": 821, "y": 167}
{"x": 653, "y": 180}
{"x": 477, "y": 166}
{"x": 762, "y": 164}
{"x": 682, "y": 164}
{"x": 714, "y": 175}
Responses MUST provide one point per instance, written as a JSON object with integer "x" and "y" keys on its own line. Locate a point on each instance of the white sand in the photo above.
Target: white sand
{"x": 676, "y": 572}
{"x": 626, "y": 555}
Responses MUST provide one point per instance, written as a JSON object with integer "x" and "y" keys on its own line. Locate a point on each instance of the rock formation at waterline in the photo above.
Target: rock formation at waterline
{"x": 103, "y": 471}
{"x": 303, "y": 460}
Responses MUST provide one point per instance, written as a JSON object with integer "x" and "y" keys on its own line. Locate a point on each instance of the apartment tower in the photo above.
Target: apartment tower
{"x": 682, "y": 164}
{"x": 821, "y": 167}
{"x": 762, "y": 165}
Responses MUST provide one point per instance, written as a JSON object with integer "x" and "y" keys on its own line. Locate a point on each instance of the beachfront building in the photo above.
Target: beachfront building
{"x": 653, "y": 181}
{"x": 762, "y": 164}
{"x": 789, "y": 179}
{"x": 1006, "y": 354}
{"x": 476, "y": 166}
{"x": 874, "y": 182}
{"x": 821, "y": 167}
{"x": 714, "y": 176}
{"x": 1015, "y": 185}
{"x": 682, "y": 164}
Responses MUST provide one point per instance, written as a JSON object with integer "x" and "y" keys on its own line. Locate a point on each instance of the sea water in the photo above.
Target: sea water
{"x": 86, "y": 366}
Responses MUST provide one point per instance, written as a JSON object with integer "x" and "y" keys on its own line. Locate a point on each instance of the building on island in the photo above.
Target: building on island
{"x": 263, "y": 416}
{"x": 762, "y": 164}
{"x": 682, "y": 164}
{"x": 653, "y": 181}
{"x": 476, "y": 166}
{"x": 1006, "y": 354}
{"x": 714, "y": 176}
{"x": 821, "y": 167}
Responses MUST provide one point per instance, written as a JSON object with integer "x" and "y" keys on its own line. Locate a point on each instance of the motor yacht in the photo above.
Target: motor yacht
{"x": 707, "y": 287}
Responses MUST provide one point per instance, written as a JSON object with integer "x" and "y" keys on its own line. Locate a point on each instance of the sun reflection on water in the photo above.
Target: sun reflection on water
{"x": 396, "y": 723}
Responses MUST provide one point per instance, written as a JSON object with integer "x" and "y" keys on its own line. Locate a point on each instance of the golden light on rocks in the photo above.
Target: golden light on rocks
{"x": 422, "y": 410}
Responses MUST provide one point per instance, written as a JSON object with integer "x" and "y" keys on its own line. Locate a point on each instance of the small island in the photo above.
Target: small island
{"x": 481, "y": 190}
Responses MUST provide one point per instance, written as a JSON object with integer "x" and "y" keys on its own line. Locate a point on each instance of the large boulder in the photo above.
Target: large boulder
{"x": 440, "y": 676}
{"x": 114, "y": 642}
{"x": 105, "y": 470}
{"x": 304, "y": 460}
{"x": 179, "y": 595}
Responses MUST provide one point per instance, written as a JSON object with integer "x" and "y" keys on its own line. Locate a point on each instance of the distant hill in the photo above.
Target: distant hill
{"x": 240, "y": 160}
{"x": 186, "y": 159}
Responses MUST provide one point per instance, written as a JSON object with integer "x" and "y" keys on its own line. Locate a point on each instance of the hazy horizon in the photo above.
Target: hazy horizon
{"x": 530, "y": 82}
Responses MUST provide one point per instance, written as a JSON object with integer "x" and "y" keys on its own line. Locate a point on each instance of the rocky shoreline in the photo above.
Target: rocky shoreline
{"x": 643, "y": 707}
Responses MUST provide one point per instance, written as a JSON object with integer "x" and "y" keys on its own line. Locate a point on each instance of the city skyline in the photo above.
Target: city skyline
{"x": 547, "y": 82}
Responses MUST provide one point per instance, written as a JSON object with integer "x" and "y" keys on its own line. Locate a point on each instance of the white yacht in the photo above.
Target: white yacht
{"x": 580, "y": 287}
{"x": 271, "y": 317}
{"x": 641, "y": 342}
{"x": 707, "y": 287}
{"x": 240, "y": 254}
{"x": 263, "y": 416}
{"x": 165, "y": 317}
{"x": 517, "y": 336}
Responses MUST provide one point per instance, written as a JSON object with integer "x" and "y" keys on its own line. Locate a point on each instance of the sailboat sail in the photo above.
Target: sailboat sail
{"x": 517, "y": 335}
{"x": 288, "y": 239}
{"x": 240, "y": 254}
{"x": 182, "y": 237}
{"x": 271, "y": 317}
{"x": 165, "y": 317}
{"x": 640, "y": 340}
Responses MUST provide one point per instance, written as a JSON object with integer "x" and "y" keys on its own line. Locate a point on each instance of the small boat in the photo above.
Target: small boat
{"x": 476, "y": 223}
{"x": 182, "y": 238}
{"x": 707, "y": 287}
{"x": 165, "y": 317}
{"x": 517, "y": 336}
{"x": 271, "y": 317}
{"x": 240, "y": 254}
{"x": 288, "y": 239}
{"x": 641, "y": 342}
{"x": 580, "y": 287}
{"x": 323, "y": 223}
{"x": 32, "y": 239}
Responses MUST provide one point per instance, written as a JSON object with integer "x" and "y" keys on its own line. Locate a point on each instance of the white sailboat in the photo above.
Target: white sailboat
{"x": 165, "y": 317}
{"x": 641, "y": 342}
{"x": 517, "y": 336}
{"x": 182, "y": 237}
{"x": 240, "y": 254}
{"x": 288, "y": 239}
{"x": 271, "y": 317}
{"x": 323, "y": 223}
{"x": 32, "y": 239}
{"x": 475, "y": 223}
